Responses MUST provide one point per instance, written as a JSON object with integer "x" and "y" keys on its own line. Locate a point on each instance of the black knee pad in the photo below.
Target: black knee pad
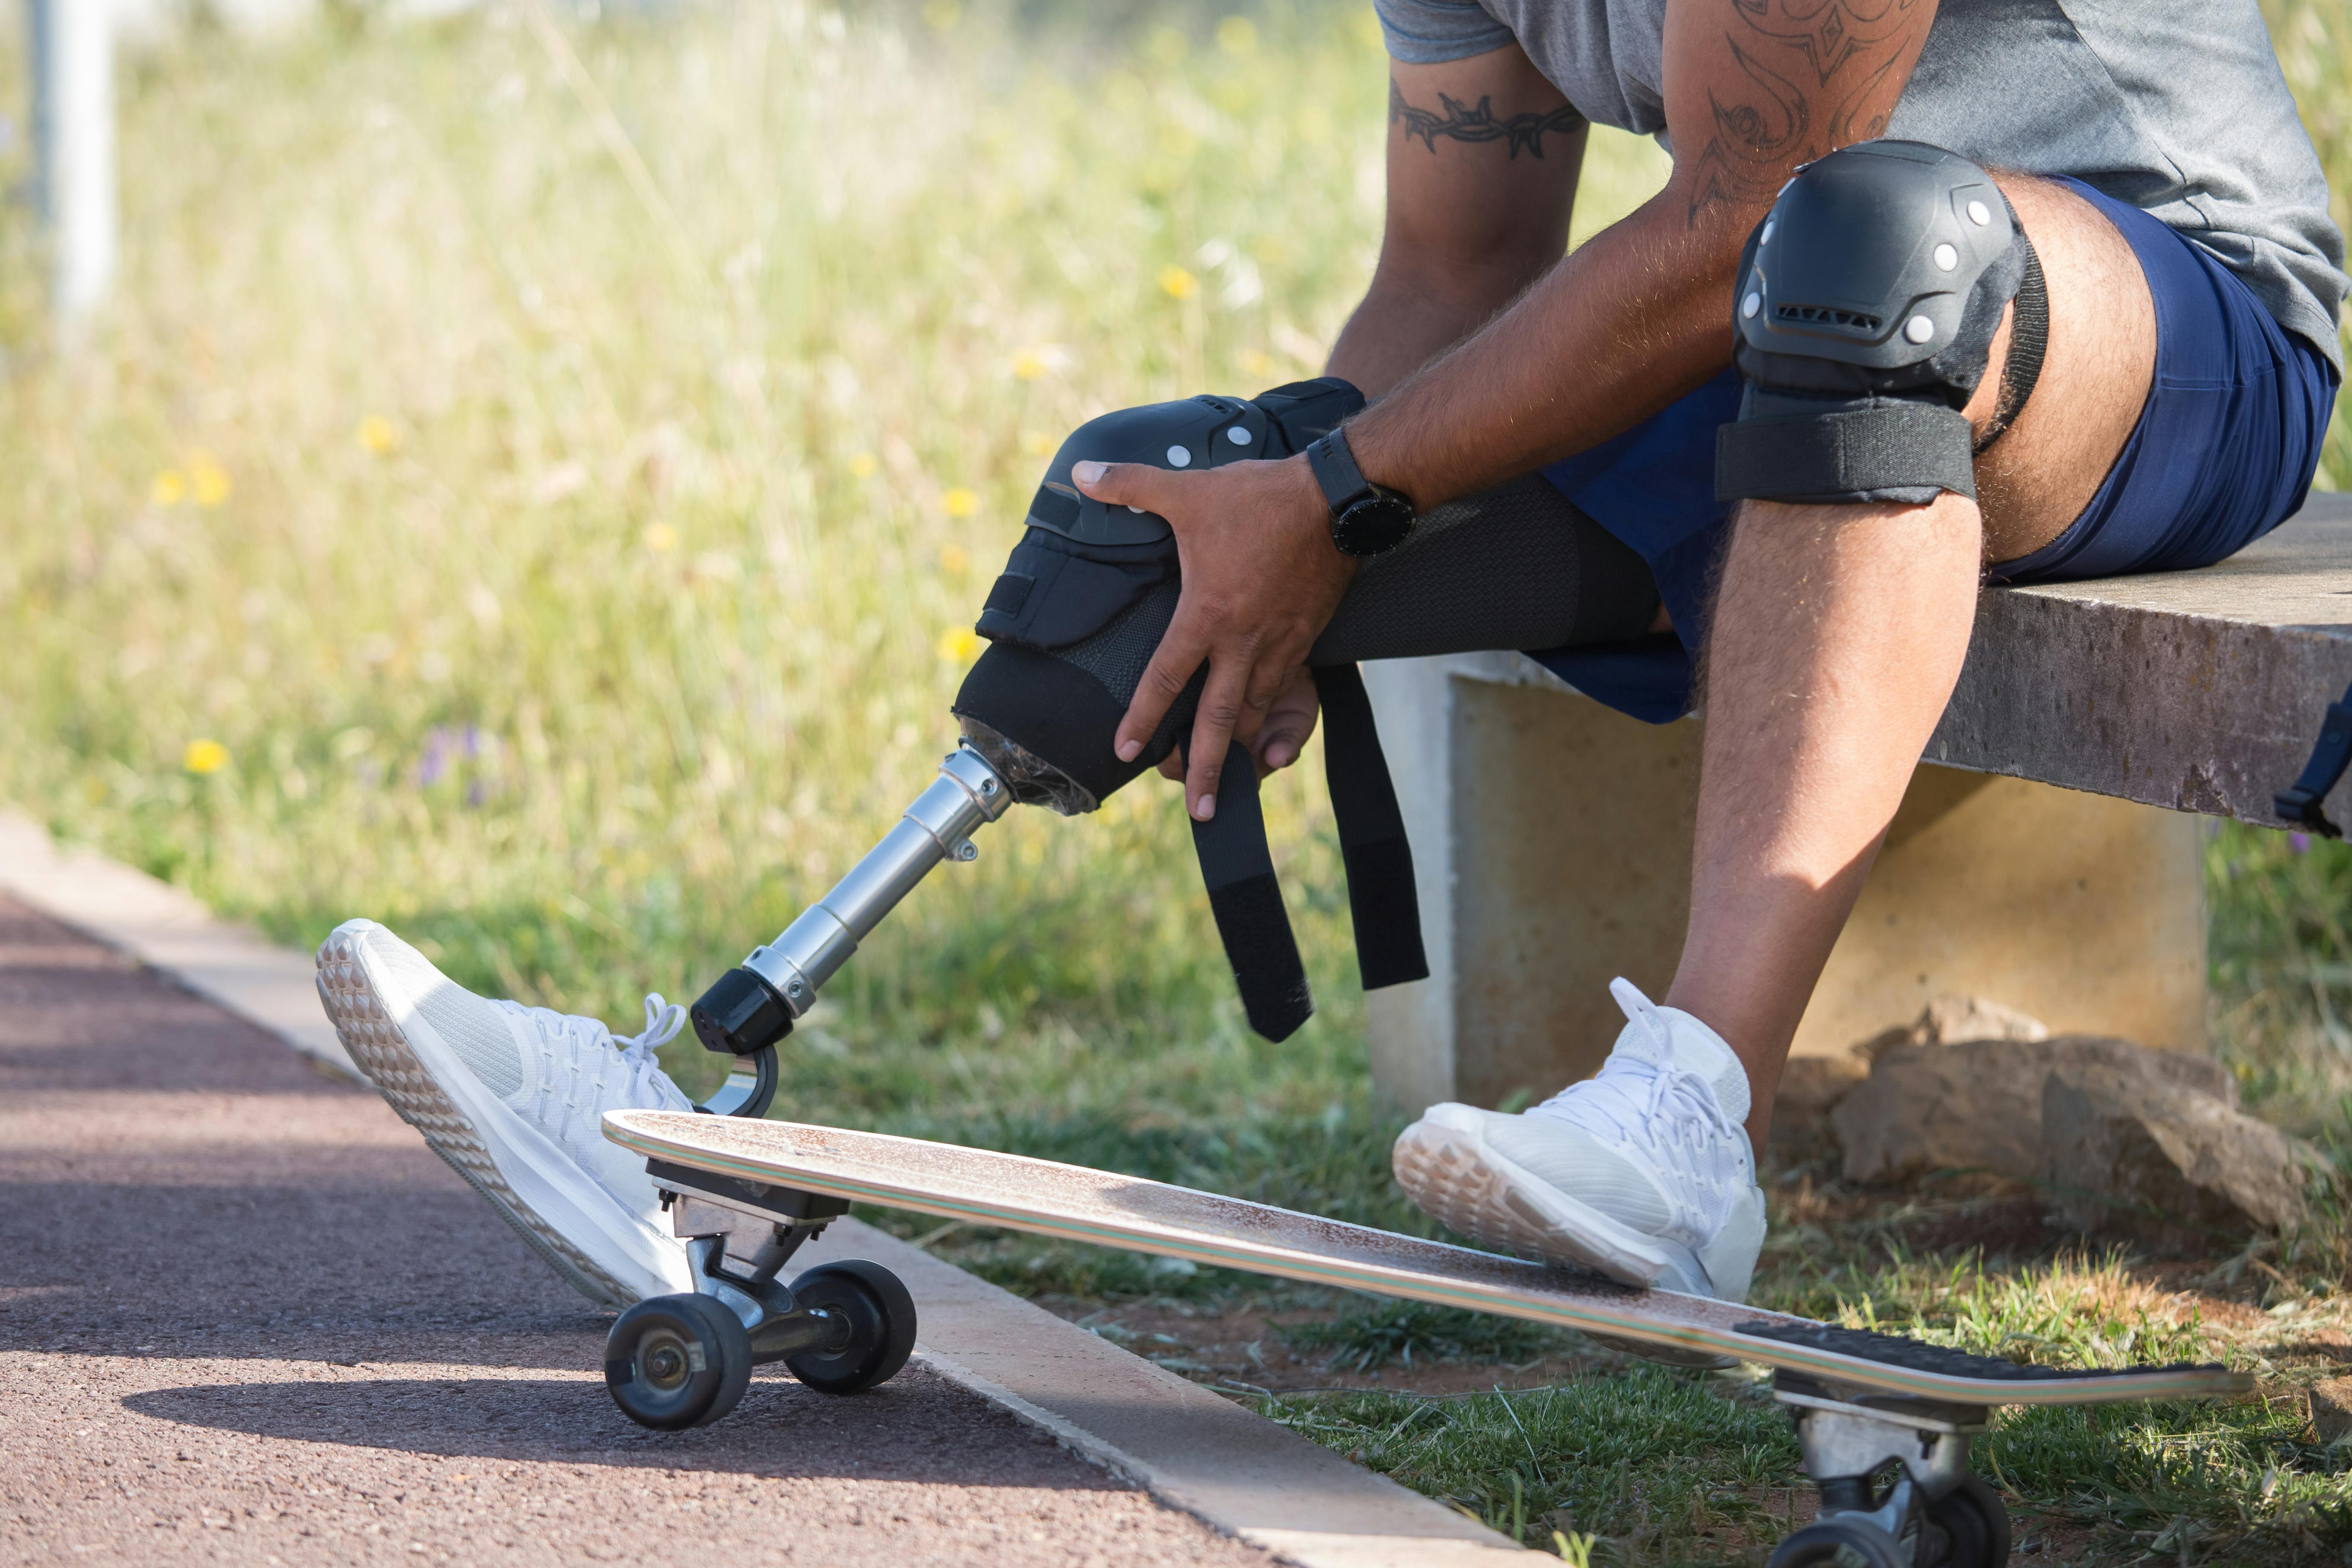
{"x": 1091, "y": 589}
{"x": 1865, "y": 315}
{"x": 1081, "y": 607}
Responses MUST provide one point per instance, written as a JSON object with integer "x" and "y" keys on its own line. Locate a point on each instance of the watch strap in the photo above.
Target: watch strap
{"x": 1334, "y": 465}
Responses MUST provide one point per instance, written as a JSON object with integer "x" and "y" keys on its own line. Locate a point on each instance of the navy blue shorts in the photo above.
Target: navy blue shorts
{"x": 2223, "y": 453}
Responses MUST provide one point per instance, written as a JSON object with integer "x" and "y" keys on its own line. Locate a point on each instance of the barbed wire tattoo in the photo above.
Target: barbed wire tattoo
{"x": 1460, "y": 122}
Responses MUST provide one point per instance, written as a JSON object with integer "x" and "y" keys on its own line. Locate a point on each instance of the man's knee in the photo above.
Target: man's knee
{"x": 1865, "y": 308}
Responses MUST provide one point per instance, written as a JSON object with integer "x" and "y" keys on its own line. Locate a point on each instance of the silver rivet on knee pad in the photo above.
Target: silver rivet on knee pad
{"x": 1237, "y": 435}
{"x": 1918, "y": 330}
{"x": 1946, "y": 257}
{"x": 1980, "y": 214}
{"x": 1178, "y": 458}
{"x": 1750, "y": 305}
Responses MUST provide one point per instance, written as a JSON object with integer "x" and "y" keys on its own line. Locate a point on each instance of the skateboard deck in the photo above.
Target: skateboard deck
{"x": 1082, "y": 1204}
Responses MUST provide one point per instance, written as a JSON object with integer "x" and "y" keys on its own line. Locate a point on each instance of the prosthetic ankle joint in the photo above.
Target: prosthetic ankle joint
{"x": 1072, "y": 621}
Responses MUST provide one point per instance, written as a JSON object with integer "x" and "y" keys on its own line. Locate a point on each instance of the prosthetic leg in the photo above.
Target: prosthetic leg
{"x": 1073, "y": 621}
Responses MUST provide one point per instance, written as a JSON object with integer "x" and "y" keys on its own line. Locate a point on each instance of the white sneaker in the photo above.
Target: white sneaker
{"x": 513, "y": 1098}
{"x": 1641, "y": 1173}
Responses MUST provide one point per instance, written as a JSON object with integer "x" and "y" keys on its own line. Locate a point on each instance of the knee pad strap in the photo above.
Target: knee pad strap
{"x": 1862, "y": 449}
{"x": 2029, "y": 340}
{"x": 1865, "y": 314}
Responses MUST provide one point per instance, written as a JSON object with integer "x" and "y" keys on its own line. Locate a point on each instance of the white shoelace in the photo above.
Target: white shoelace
{"x": 644, "y": 1083}
{"x": 1668, "y": 1092}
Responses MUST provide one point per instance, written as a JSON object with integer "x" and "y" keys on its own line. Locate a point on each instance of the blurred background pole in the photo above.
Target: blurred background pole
{"x": 73, "y": 130}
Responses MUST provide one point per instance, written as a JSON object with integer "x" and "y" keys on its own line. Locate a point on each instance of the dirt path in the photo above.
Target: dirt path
{"x": 245, "y": 1316}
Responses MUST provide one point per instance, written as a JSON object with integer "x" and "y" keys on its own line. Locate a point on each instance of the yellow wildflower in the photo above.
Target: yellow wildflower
{"x": 208, "y": 480}
{"x": 959, "y": 503}
{"x": 958, "y": 644}
{"x": 204, "y": 757}
{"x": 169, "y": 487}
{"x": 1256, "y": 362}
{"x": 1028, "y": 364}
{"x": 862, "y": 466}
{"x": 955, "y": 559}
{"x": 942, "y": 16}
{"x": 377, "y": 434}
{"x": 1237, "y": 36}
{"x": 1036, "y": 442}
{"x": 660, "y": 538}
{"x": 1177, "y": 283}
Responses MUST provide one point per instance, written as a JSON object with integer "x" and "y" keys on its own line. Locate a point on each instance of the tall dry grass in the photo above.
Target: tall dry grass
{"x": 534, "y": 481}
{"x": 535, "y": 484}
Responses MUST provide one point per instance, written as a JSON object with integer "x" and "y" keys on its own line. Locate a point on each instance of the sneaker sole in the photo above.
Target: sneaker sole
{"x": 384, "y": 1052}
{"x": 1455, "y": 1177}
{"x": 1459, "y": 1179}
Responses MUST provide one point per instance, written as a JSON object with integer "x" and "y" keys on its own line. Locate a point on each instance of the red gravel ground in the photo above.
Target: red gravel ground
{"x": 245, "y": 1316}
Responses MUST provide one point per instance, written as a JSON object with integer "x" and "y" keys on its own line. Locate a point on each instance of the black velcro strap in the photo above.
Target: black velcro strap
{"x": 1845, "y": 454}
{"x": 1011, "y": 592}
{"x": 1382, "y": 902}
{"x": 2303, "y": 801}
{"x": 1238, "y": 870}
{"x": 2029, "y": 340}
{"x": 1053, "y": 507}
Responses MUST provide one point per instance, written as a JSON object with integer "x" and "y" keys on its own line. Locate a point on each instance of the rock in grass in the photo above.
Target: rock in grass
{"x": 1954, "y": 1020}
{"x": 2331, "y": 1408}
{"x": 1976, "y": 1105}
{"x": 2131, "y": 1153}
{"x": 1811, "y": 1086}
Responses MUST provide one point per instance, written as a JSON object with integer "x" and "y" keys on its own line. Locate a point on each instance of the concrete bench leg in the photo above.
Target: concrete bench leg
{"x": 1552, "y": 841}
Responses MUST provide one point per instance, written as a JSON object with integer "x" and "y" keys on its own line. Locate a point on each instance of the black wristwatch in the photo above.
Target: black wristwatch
{"x": 1366, "y": 520}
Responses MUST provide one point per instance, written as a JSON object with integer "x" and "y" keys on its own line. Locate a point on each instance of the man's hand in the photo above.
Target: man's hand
{"x": 1261, "y": 580}
{"x": 1281, "y": 738}
{"x": 1288, "y": 722}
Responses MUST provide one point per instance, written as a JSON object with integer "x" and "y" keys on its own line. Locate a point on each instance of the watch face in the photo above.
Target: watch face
{"x": 1375, "y": 525}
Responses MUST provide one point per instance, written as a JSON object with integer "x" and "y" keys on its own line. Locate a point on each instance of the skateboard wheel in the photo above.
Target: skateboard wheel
{"x": 1968, "y": 1527}
{"x": 675, "y": 1361}
{"x": 1838, "y": 1543}
{"x": 881, "y": 1317}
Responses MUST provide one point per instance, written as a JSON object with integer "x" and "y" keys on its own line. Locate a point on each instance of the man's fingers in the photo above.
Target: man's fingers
{"x": 1213, "y": 730}
{"x": 1139, "y": 485}
{"x": 1284, "y": 738}
{"x": 1181, "y": 652}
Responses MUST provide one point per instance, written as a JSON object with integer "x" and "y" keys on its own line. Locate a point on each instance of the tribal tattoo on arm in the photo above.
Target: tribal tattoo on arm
{"x": 1460, "y": 122}
{"x": 1809, "y": 76}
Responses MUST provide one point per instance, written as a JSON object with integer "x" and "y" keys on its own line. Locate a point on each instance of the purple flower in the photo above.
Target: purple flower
{"x": 447, "y": 748}
{"x": 2299, "y": 842}
{"x": 434, "y": 764}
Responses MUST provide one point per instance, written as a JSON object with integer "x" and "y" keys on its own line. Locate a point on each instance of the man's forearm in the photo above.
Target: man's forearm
{"x": 1634, "y": 319}
{"x": 1401, "y": 327}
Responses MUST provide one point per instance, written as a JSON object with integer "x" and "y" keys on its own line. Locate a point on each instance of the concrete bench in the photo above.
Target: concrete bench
{"x": 2048, "y": 855}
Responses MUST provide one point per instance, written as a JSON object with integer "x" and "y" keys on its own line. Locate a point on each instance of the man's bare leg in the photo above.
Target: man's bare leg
{"x": 1837, "y": 637}
{"x": 1838, "y": 634}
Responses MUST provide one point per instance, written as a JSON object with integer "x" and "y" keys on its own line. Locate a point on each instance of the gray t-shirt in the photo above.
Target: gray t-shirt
{"x": 2174, "y": 106}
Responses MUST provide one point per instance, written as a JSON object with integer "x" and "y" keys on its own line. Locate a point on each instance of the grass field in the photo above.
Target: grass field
{"x": 533, "y": 487}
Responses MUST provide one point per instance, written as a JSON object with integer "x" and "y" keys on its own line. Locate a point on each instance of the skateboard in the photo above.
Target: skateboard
{"x": 1884, "y": 1420}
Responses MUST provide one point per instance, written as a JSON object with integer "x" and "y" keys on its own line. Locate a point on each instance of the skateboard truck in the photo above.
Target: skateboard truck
{"x": 672, "y": 1362}
{"x": 752, "y": 1007}
{"x": 1936, "y": 1514}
